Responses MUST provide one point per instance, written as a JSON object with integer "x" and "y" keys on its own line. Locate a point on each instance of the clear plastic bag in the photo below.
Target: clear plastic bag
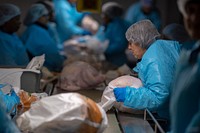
{"x": 69, "y": 112}
{"x": 108, "y": 98}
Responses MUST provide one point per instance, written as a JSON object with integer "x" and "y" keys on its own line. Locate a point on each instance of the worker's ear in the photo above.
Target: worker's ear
{"x": 89, "y": 6}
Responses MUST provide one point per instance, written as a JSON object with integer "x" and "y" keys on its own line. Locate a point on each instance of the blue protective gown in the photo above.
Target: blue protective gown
{"x": 12, "y": 51}
{"x": 38, "y": 41}
{"x": 185, "y": 101}
{"x": 67, "y": 19}
{"x": 135, "y": 14}
{"x": 115, "y": 33}
{"x": 7, "y": 125}
{"x": 156, "y": 71}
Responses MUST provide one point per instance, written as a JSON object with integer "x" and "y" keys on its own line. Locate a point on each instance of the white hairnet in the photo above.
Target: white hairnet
{"x": 142, "y": 32}
{"x": 7, "y": 12}
{"x": 35, "y": 12}
{"x": 112, "y": 10}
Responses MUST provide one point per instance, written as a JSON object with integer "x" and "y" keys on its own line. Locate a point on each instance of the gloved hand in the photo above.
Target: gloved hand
{"x": 85, "y": 32}
{"x": 120, "y": 94}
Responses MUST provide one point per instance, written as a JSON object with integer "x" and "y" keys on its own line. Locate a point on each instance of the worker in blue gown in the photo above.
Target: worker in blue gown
{"x": 155, "y": 70}
{"x": 12, "y": 51}
{"x": 68, "y": 19}
{"x": 185, "y": 101}
{"x": 144, "y": 9}
{"x": 113, "y": 30}
{"x": 38, "y": 40}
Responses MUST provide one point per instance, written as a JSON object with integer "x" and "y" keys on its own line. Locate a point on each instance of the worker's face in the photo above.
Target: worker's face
{"x": 44, "y": 19}
{"x": 192, "y": 20}
{"x": 13, "y": 24}
{"x": 136, "y": 50}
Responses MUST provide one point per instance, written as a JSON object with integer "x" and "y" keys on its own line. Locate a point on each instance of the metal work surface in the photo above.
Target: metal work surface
{"x": 134, "y": 123}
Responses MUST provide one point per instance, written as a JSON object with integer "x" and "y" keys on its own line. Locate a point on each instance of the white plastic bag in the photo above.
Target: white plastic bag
{"x": 108, "y": 98}
{"x": 70, "y": 111}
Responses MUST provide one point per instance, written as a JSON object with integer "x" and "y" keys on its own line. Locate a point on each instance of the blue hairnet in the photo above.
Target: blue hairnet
{"x": 142, "y": 32}
{"x": 35, "y": 12}
{"x": 112, "y": 10}
{"x": 7, "y": 12}
{"x": 176, "y": 32}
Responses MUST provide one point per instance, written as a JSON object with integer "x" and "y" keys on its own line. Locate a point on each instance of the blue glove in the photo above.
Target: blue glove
{"x": 85, "y": 32}
{"x": 120, "y": 94}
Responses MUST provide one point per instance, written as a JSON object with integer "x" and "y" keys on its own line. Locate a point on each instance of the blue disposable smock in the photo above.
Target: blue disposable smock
{"x": 53, "y": 32}
{"x": 38, "y": 41}
{"x": 135, "y": 14}
{"x": 156, "y": 71}
{"x": 185, "y": 101}
{"x": 67, "y": 19}
{"x": 7, "y": 125}
{"x": 115, "y": 33}
{"x": 12, "y": 51}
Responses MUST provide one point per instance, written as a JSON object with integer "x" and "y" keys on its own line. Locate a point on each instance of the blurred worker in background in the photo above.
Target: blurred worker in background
{"x": 144, "y": 9}
{"x": 155, "y": 70}
{"x": 113, "y": 30}
{"x": 185, "y": 101}
{"x": 38, "y": 40}
{"x": 12, "y": 51}
{"x": 68, "y": 19}
{"x": 52, "y": 24}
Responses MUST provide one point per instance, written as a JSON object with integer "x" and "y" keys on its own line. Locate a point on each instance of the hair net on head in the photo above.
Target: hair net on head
{"x": 7, "y": 12}
{"x": 35, "y": 12}
{"x": 176, "y": 32}
{"x": 112, "y": 10}
{"x": 142, "y": 32}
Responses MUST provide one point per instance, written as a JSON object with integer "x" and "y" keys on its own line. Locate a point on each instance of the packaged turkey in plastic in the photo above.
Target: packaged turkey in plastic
{"x": 64, "y": 113}
{"x": 79, "y": 75}
{"x": 108, "y": 98}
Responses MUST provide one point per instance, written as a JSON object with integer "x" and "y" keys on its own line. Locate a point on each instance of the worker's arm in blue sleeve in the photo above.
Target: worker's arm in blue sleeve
{"x": 150, "y": 96}
{"x": 64, "y": 18}
{"x": 54, "y": 61}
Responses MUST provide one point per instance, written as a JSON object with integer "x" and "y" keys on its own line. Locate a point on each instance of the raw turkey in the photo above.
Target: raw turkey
{"x": 108, "y": 98}
{"x": 79, "y": 75}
